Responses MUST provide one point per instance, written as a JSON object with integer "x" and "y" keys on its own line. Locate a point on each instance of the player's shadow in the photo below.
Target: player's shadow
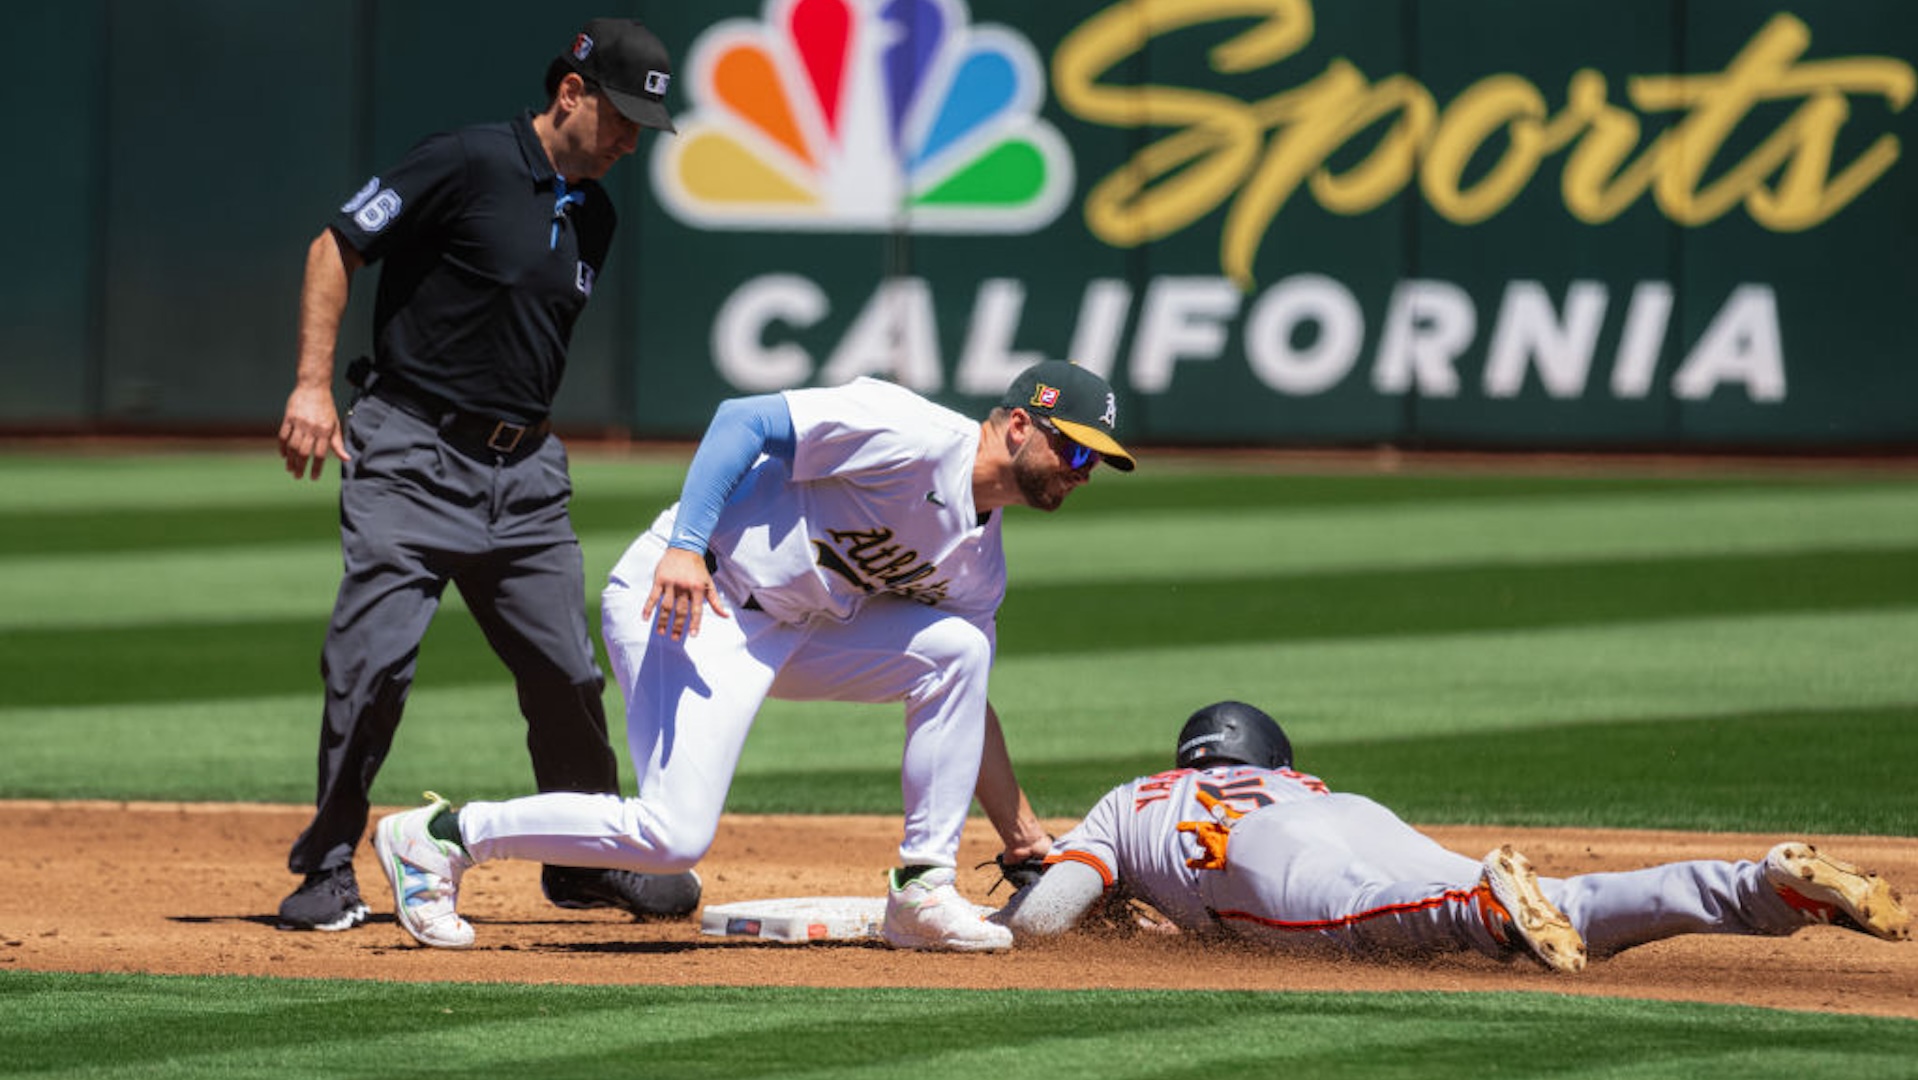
{"x": 389, "y": 919}
{"x": 633, "y": 947}
{"x": 271, "y": 922}
{"x": 637, "y": 948}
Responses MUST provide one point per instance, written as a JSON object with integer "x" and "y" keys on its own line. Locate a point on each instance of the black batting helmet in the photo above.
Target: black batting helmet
{"x": 1232, "y": 732}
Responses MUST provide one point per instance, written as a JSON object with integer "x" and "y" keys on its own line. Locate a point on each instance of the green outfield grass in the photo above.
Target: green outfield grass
{"x": 1414, "y": 633}
{"x": 1726, "y": 651}
{"x": 253, "y": 1027}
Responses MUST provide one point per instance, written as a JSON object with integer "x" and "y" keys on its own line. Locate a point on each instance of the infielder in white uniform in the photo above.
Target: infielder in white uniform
{"x": 1235, "y": 841}
{"x": 847, "y": 543}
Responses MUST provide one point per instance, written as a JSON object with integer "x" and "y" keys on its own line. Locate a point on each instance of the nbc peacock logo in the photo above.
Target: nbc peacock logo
{"x": 864, "y": 116}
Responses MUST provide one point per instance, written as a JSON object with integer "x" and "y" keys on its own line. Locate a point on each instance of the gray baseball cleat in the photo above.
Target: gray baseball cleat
{"x": 644, "y": 896}
{"x": 1828, "y": 890}
{"x": 325, "y": 900}
{"x": 1520, "y": 915}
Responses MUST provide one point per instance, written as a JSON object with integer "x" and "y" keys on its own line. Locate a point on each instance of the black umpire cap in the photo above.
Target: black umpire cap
{"x": 629, "y": 65}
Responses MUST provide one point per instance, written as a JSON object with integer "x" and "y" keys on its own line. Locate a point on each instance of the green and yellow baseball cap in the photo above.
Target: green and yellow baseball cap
{"x": 1077, "y": 402}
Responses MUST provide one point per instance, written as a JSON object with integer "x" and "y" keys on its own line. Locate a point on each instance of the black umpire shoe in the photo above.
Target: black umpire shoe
{"x": 645, "y": 896}
{"x": 326, "y": 900}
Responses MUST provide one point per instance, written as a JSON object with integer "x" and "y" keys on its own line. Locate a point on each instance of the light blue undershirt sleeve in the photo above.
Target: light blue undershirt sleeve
{"x": 741, "y": 430}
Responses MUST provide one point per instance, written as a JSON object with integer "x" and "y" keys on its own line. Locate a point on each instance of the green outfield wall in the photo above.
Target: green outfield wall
{"x": 1671, "y": 223}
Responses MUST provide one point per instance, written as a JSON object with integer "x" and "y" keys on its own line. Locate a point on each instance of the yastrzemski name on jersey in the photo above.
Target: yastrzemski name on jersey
{"x": 1243, "y": 790}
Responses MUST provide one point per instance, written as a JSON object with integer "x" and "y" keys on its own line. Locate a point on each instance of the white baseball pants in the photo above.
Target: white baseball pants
{"x": 691, "y": 703}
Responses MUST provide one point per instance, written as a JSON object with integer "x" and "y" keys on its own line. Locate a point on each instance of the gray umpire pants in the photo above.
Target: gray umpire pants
{"x": 414, "y": 515}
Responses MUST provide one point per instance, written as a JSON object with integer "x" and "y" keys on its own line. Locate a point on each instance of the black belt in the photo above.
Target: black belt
{"x": 481, "y": 437}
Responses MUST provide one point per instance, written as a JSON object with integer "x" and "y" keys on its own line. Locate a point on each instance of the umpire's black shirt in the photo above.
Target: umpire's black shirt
{"x": 485, "y": 272}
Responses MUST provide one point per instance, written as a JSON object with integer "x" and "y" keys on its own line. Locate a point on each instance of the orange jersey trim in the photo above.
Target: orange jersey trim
{"x": 1105, "y": 872}
{"x": 1450, "y": 896}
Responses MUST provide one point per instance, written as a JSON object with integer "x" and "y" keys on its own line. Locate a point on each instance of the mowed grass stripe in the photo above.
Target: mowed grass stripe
{"x": 1331, "y": 606}
{"x": 214, "y": 481}
{"x": 259, "y": 581}
{"x": 96, "y": 531}
{"x": 1253, "y": 540}
{"x": 1519, "y": 681}
{"x": 36, "y": 483}
{"x": 60, "y": 482}
{"x": 114, "y": 530}
{"x": 203, "y": 660}
{"x": 1204, "y": 485}
{"x": 186, "y": 516}
{"x": 1787, "y": 772}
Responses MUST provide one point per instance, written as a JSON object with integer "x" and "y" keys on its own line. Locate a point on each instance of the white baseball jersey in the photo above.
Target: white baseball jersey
{"x": 1292, "y": 863}
{"x": 878, "y": 501}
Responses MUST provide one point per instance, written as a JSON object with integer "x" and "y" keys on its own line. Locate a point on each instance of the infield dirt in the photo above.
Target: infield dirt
{"x": 167, "y": 888}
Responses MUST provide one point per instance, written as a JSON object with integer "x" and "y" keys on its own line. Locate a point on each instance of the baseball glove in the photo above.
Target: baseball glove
{"x": 1020, "y": 875}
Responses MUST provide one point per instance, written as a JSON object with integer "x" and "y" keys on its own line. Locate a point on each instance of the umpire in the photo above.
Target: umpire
{"x": 492, "y": 237}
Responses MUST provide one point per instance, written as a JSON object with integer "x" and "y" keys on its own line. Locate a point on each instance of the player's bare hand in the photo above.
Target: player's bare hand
{"x": 310, "y": 431}
{"x": 1027, "y": 849}
{"x": 682, "y": 590}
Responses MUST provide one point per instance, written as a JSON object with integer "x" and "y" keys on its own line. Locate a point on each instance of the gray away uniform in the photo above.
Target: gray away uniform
{"x": 1303, "y": 866}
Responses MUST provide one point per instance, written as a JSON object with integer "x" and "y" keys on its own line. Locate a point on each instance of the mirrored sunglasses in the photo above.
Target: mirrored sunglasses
{"x": 1075, "y": 455}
